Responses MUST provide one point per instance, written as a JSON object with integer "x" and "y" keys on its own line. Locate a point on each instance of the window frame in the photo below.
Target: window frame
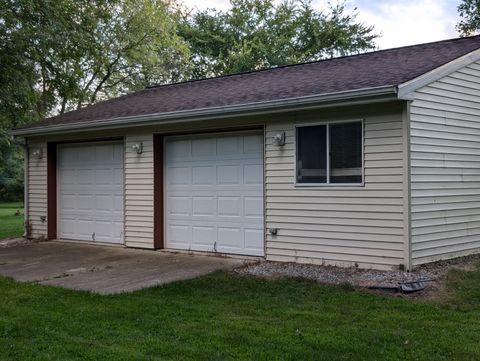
{"x": 327, "y": 183}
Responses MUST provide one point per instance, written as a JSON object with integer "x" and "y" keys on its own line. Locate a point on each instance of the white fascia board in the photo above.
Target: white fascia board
{"x": 406, "y": 91}
{"x": 360, "y": 96}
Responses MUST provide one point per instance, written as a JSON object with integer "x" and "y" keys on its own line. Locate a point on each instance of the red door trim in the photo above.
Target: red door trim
{"x": 158, "y": 201}
{"x": 51, "y": 190}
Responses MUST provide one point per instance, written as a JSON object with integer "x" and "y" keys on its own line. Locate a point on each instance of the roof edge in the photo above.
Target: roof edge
{"x": 406, "y": 91}
{"x": 359, "y": 96}
{"x": 153, "y": 86}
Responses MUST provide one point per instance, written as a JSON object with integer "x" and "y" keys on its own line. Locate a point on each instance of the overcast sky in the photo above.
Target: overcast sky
{"x": 400, "y": 22}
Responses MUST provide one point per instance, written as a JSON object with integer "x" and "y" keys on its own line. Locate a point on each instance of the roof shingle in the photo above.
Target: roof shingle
{"x": 389, "y": 67}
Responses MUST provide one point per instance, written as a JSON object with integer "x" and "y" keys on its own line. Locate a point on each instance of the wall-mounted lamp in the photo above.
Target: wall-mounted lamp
{"x": 279, "y": 139}
{"x": 273, "y": 231}
{"x": 137, "y": 148}
{"x": 38, "y": 153}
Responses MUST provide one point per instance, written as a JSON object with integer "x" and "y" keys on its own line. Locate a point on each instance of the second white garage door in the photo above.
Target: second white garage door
{"x": 214, "y": 193}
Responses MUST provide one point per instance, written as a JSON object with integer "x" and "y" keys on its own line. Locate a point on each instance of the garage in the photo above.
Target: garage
{"x": 90, "y": 192}
{"x": 214, "y": 193}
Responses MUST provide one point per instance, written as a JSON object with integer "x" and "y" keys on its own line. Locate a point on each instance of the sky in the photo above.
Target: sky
{"x": 399, "y": 22}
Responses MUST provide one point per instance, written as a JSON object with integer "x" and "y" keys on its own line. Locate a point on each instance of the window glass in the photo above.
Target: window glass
{"x": 312, "y": 154}
{"x": 346, "y": 152}
{"x": 337, "y": 146}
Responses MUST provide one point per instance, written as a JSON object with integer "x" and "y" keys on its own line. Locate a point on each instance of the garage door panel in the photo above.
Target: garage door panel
{"x": 180, "y": 234}
{"x": 203, "y": 175}
{"x": 228, "y": 145}
{"x": 228, "y": 174}
{"x": 68, "y": 176}
{"x": 204, "y": 206}
{"x": 203, "y": 236}
{"x": 202, "y": 148}
{"x": 230, "y": 238}
{"x": 90, "y": 187}
{"x": 179, "y": 176}
{"x": 253, "y": 144}
{"x": 214, "y": 193}
{"x": 104, "y": 176}
{"x": 179, "y": 150}
{"x": 253, "y": 207}
{"x": 67, "y": 156}
{"x": 253, "y": 174}
{"x": 180, "y": 205}
{"x": 254, "y": 239}
{"x": 229, "y": 206}
{"x": 68, "y": 202}
{"x": 107, "y": 231}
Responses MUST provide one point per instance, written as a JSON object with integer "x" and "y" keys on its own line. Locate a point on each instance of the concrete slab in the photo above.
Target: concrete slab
{"x": 104, "y": 270}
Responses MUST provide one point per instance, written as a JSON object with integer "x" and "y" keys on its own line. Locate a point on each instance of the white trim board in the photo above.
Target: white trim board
{"x": 406, "y": 91}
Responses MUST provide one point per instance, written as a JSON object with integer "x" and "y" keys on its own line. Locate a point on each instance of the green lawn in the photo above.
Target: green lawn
{"x": 227, "y": 317}
{"x": 11, "y": 225}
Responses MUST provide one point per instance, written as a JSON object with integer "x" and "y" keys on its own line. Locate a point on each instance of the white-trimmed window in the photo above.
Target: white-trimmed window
{"x": 330, "y": 153}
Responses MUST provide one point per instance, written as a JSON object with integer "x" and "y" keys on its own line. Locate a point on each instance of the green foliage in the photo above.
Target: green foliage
{"x": 469, "y": 11}
{"x": 11, "y": 220}
{"x": 256, "y": 34}
{"x": 227, "y": 317}
{"x": 79, "y": 51}
{"x": 11, "y": 174}
{"x": 59, "y": 55}
{"x": 464, "y": 288}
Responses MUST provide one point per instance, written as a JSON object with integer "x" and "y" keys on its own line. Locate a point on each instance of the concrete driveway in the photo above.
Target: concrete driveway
{"x": 104, "y": 270}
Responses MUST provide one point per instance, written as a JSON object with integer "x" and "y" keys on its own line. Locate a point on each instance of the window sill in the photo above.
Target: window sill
{"x": 330, "y": 185}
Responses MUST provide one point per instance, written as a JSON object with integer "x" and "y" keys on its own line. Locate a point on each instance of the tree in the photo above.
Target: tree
{"x": 59, "y": 55}
{"x": 79, "y": 51}
{"x": 256, "y": 34}
{"x": 469, "y": 10}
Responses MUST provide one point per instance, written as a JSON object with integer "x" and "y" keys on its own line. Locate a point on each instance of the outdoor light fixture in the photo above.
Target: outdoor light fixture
{"x": 279, "y": 139}
{"x": 37, "y": 153}
{"x": 137, "y": 148}
{"x": 273, "y": 231}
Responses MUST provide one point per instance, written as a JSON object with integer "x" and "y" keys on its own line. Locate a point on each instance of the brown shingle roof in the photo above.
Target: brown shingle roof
{"x": 389, "y": 67}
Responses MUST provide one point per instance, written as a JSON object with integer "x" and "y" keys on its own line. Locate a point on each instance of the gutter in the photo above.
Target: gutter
{"x": 355, "y": 97}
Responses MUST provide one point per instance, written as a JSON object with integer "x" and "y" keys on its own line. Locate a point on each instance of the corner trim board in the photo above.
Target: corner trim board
{"x": 407, "y": 205}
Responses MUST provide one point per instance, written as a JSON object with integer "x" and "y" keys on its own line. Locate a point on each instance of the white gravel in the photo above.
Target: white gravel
{"x": 338, "y": 275}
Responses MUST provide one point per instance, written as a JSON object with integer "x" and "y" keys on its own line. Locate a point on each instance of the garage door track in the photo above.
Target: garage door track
{"x": 104, "y": 270}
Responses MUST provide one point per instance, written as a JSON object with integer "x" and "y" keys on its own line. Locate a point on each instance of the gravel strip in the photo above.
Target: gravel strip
{"x": 355, "y": 276}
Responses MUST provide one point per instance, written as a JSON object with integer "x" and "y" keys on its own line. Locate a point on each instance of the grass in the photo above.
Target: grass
{"x": 11, "y": 226}
{"x": 228, "y": 317}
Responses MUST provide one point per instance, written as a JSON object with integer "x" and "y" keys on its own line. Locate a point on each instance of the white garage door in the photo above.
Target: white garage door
{"x": 90, "y": 192}
{"x": 214, "y": 193}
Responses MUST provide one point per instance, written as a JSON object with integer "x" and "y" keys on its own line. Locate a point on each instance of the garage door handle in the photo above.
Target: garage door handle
{"x": 93, "y": 236}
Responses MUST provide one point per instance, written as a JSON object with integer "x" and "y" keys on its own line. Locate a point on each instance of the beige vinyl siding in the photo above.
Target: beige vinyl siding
{"x": 348, "y": 225}
{"x": 445, "y": 167}
{"x": 37, "y": 190}
{"x": 139, "y": 192}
